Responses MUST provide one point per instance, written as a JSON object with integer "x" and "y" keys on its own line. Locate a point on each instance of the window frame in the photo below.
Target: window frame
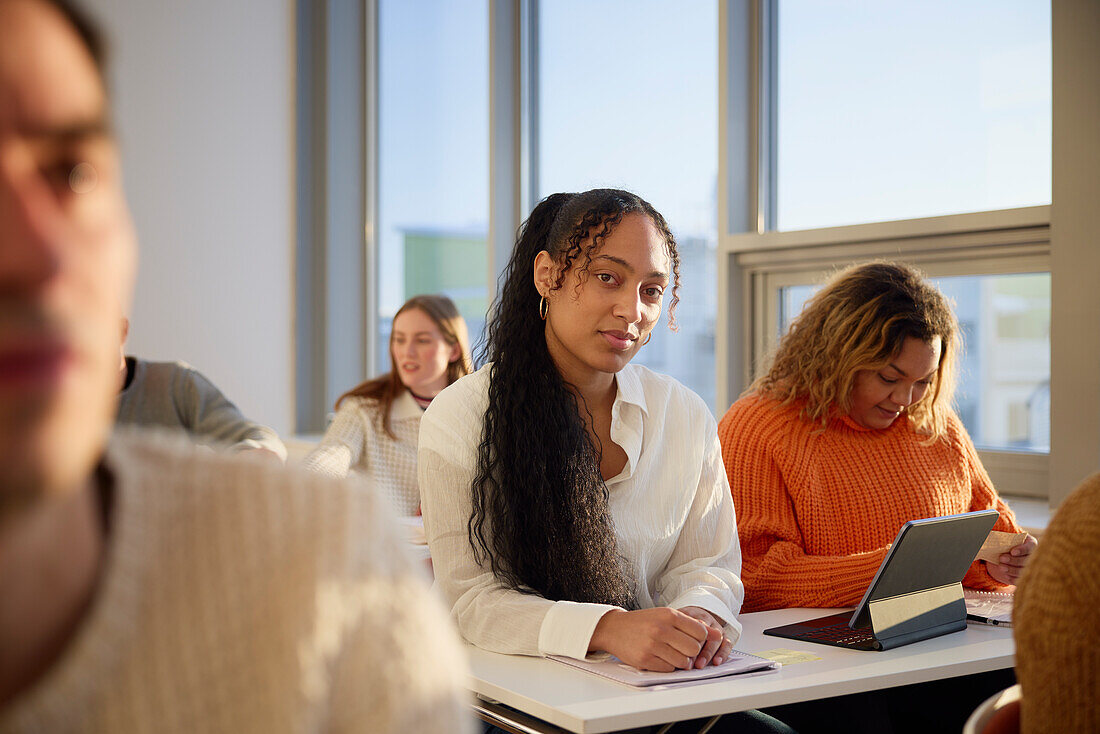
{"x": 765, "y": 271}
{"x": 755, "y": 259}
{"x": 1019, "y": 473}
{"x": 746, "y": 203}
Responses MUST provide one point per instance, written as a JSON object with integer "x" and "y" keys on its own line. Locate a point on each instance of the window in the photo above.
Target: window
{"x": 838, "y": 131}
{"x": 646, "y": 121}
{"x": 433, "y": 158}
{"x": 1003, "y": 394}
{"x": 902, "y": 110}
{"x": 919, "y": 133}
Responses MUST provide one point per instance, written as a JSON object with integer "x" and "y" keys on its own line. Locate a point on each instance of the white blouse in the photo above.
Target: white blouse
{"x": 670, "y": 505}
{"x": 356, "y": 442}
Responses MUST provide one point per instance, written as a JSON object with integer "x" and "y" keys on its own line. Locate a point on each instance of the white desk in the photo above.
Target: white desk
{"x": 582, "y": 702}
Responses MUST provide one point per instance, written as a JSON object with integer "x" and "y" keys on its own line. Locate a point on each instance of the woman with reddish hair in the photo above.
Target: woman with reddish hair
{"x": 377, "y": 423}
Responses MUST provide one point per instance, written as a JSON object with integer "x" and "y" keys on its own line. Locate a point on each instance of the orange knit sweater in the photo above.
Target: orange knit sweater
{"x": 816, "y": 509}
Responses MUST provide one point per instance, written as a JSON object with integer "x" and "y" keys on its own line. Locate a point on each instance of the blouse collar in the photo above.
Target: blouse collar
{"x": 404, "y": 407}
{"x": 630, "y": 388}
{"x": 628, "y": 414}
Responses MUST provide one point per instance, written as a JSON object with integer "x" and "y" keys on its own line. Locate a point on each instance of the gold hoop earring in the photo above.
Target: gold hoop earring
{"x": 543, "y": 308}
{"x": 647, "y": 338}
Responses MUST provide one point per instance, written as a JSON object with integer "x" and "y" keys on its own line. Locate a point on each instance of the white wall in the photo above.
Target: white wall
{"x": 203, "y": 95}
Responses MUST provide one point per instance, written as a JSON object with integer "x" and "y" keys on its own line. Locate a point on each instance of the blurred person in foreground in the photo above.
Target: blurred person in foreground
{"x": 1056, "y": 621}
{"x": 143, "y": 585}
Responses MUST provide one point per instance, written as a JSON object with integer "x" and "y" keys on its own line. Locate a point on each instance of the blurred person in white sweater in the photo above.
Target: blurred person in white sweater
{"x": 143, "y": 585}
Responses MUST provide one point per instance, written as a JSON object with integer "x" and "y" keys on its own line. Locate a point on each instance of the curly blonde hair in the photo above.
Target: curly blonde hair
{"x": 859, "y": 321}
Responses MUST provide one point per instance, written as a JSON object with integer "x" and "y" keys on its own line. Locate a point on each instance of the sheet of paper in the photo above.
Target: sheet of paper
{"x": 738, "y": 663}
{"x": 783, "y": 656}
{"x": 990, "y": 607}
{"x": 998, "y": 543}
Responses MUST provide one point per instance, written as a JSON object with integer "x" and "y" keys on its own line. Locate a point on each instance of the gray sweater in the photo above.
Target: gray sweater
{"x": 175, "y": 395}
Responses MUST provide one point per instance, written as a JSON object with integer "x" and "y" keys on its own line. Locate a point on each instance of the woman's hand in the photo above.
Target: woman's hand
{"x": 660, "y": 639}
{"x": 717, "y": 647}
{"x": 1012, "y": 563}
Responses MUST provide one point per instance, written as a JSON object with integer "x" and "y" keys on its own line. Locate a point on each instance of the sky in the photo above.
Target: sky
{"x": 897, "y": 110}
{"x": 888, "y": 109}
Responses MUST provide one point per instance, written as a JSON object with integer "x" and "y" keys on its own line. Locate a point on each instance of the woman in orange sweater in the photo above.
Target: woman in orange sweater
{"x": 849, "y": 435}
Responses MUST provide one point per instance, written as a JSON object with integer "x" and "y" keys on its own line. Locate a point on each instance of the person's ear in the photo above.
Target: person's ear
{"x": 125, "y": 329}
{"x": 545, "y": 273}
{"x": 456, "y": 353}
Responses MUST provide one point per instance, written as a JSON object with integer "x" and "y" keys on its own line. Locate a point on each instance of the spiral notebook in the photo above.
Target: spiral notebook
{"x": 739, "y": 663}
{"x": 989, "y": 607}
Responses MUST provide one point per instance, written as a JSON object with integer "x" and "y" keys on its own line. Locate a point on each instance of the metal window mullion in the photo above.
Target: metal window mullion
{"x": 767, "y": 81}
{"x": 738, "y": 176}
{"x": 528, "y": 48}
{"x": 506, "y": 153}
{"x": 371, "y": 175}
{"x": 310, "y": 250}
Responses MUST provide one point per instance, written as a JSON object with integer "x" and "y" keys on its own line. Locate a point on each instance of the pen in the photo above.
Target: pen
{"x": 990, "y": 622}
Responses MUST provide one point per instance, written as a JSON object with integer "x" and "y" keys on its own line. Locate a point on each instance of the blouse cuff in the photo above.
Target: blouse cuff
{"x": 568, "y": 626}
{"x": 703, "y": 600}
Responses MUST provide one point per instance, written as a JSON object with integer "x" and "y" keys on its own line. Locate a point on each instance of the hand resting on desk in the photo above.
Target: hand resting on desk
{"x": 717, "y": 647}
{"x": 661, "y": 639}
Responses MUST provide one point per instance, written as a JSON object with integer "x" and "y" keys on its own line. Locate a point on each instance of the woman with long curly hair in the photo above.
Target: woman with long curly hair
{"x": 377, "y": 422}
{"x": 850, "y": 434}
{"x": 575, "y": 502}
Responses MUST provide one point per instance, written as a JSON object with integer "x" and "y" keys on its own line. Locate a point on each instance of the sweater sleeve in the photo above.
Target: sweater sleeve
{"x": 982, "y": 497}
{"x": 704, "y": 566}
{"x": 776, "y": 569}
{"x": 488, "y": 614}
{"x": 342, "y": 446}
{"x": 400, "y": 666}
{"x": 210, "y": 417}
{"x": 400, "y": 673}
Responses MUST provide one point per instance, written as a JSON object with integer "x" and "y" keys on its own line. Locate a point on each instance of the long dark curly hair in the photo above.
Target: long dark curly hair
{"x": 541, "y": 517}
